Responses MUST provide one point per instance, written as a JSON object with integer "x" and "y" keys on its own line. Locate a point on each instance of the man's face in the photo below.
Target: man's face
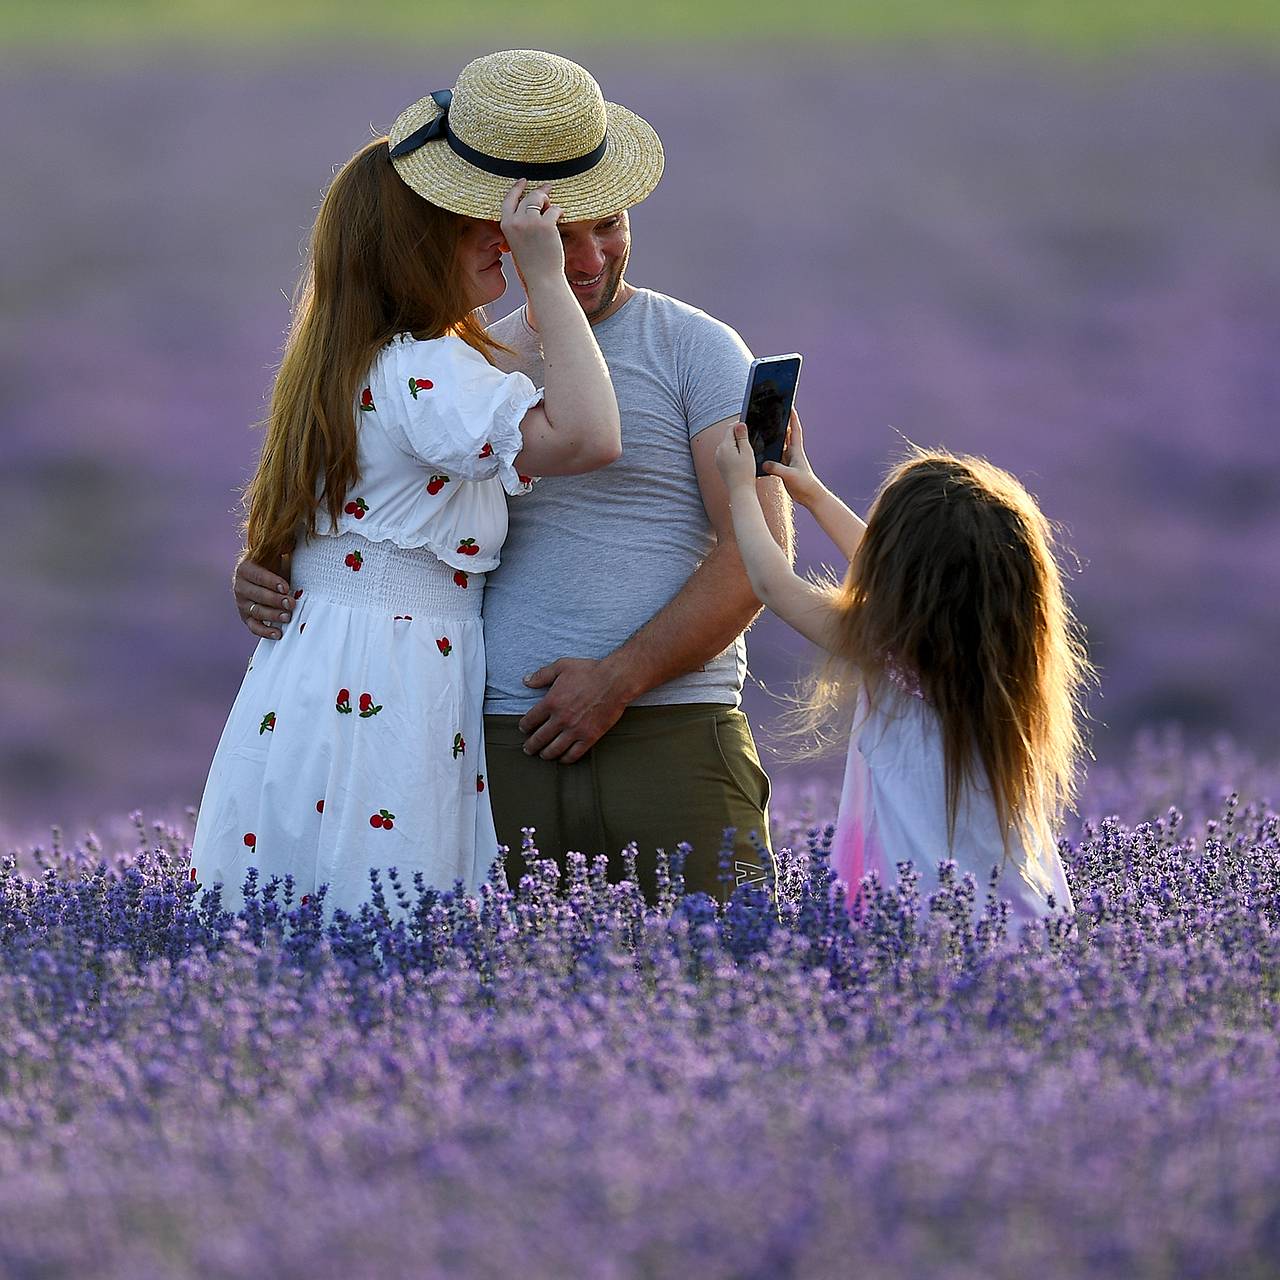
{"x": 595, "y": 257}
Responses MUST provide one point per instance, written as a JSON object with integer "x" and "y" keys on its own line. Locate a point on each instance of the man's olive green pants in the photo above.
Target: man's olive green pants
{"x": 661, "y": 775}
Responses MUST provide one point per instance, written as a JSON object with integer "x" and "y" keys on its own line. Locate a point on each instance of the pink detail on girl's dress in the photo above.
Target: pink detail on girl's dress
{"x": 855, "y": 849}
{"x": 847, "y": 856}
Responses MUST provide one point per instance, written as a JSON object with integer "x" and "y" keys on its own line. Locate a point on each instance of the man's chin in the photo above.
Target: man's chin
{"x": 600, "y": 299}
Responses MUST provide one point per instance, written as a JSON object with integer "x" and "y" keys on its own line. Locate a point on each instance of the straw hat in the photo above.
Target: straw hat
{"x": 525, "y": 114}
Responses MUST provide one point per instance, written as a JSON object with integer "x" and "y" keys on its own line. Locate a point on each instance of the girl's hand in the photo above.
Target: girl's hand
{"x": 798, "y": 476}
{"x": 736, "y": 459}
{"x": 529, "y": 227}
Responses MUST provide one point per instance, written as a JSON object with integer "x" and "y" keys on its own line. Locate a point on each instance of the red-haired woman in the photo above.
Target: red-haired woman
{"x": 392, "y": 444}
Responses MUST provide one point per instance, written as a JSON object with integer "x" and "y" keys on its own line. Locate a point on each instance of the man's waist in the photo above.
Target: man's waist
{"x": 698, "y": 689}
{"x": 635, "y": 718}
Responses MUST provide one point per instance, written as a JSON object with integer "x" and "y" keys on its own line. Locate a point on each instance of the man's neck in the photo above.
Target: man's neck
{"x": 625, "y": 292}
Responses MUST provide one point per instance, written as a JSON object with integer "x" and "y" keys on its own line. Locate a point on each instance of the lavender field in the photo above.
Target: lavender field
{"x": 550, "y": 1084}
{"x": 1071, "y": 266}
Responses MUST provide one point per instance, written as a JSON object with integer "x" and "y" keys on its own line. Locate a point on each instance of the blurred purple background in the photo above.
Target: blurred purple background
{"x": 1071, "y": 268}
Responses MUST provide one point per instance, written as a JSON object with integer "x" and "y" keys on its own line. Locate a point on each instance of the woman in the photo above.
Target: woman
{"x": 356, "y": 739}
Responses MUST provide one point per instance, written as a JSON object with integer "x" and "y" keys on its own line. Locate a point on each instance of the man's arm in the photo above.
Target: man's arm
{"x": 716, "y": 604}
{"x": 264, "y": 599}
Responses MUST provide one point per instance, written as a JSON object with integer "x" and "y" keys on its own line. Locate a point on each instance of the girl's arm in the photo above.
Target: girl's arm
{"x": 798, "y": 603}
{"x": 843, "y": 526}
{"x": 837, "y": 521}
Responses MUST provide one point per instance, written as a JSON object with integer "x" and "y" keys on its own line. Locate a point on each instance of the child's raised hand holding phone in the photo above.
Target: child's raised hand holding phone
{"x": 795, "y": 471}
{"x": 774, "y": 582}
{"x": 736, "y": 459}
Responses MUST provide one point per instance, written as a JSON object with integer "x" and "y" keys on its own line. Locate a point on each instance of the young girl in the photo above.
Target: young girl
{"x": 952, "y": 636}
{"x": 356, "y": 739}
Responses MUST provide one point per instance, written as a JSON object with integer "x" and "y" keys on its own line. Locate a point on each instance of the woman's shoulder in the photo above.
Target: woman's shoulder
{"x": 405, "y": 347}
{"x": 406, "y": 367}
{"x": 445, "y": 342}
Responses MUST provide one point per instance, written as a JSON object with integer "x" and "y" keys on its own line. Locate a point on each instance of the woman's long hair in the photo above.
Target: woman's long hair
{"x": 382, "y": 261}
{"x": 954, "y": 592}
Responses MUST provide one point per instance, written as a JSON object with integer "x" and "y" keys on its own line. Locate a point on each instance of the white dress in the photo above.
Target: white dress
{"x": 893, "y": 807}
{"x": 356, "y": 740}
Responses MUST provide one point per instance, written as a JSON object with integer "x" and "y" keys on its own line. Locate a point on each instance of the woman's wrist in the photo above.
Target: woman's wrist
{"x": 548, "y": 284}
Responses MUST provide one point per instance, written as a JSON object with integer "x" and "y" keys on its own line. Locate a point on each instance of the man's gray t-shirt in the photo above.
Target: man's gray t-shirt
{"x": 589, "y": 559}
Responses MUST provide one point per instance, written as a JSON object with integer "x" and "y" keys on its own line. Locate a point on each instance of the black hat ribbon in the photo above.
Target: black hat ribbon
{"x": 438, "y": 129}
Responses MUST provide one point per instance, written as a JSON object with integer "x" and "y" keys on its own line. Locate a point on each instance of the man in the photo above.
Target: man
{"x": 614, "y": 625}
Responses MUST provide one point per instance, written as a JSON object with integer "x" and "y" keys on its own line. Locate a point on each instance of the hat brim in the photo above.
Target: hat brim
{"x": 628, "y": 171}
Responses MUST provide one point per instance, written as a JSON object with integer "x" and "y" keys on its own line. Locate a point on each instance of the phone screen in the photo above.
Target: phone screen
{"x": 771, "y": 393}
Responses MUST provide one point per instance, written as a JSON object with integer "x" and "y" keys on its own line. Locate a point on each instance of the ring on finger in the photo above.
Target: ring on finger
{"x": 252, "y": 607}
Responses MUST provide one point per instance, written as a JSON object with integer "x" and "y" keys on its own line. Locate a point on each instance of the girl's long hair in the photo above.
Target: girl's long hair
{"x": 954, "y": 592}
{"x": 382, "y": 261}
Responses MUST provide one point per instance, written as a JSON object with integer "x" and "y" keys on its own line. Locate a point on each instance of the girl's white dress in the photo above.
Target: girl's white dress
{"x": 357, "y": 739}
{"x": 893, "y": 808}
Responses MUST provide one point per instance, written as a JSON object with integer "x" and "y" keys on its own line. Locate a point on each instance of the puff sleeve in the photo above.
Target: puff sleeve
{"x": 448, "y": 407}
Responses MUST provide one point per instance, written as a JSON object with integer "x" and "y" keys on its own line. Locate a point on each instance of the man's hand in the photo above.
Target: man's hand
{"x": 264, "y": 599}
{"x": 583, "y": 703}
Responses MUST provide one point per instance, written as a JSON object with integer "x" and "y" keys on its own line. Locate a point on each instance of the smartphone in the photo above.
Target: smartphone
{"x": 766, "y": 408}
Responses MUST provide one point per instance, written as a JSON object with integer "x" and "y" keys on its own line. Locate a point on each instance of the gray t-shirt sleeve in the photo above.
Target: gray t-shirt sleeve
{"x": 711, "y": 363}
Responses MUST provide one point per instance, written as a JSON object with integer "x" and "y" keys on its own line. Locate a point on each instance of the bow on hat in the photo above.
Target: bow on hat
{"x": 438, "y": 130}
{"x": 429, "y": 132}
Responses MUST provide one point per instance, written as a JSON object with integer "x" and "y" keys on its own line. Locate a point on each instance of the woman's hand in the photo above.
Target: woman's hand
{"x": 736, "y": 459}
{"x": 529, "y": 227}
{"x": 798, "y": 476}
